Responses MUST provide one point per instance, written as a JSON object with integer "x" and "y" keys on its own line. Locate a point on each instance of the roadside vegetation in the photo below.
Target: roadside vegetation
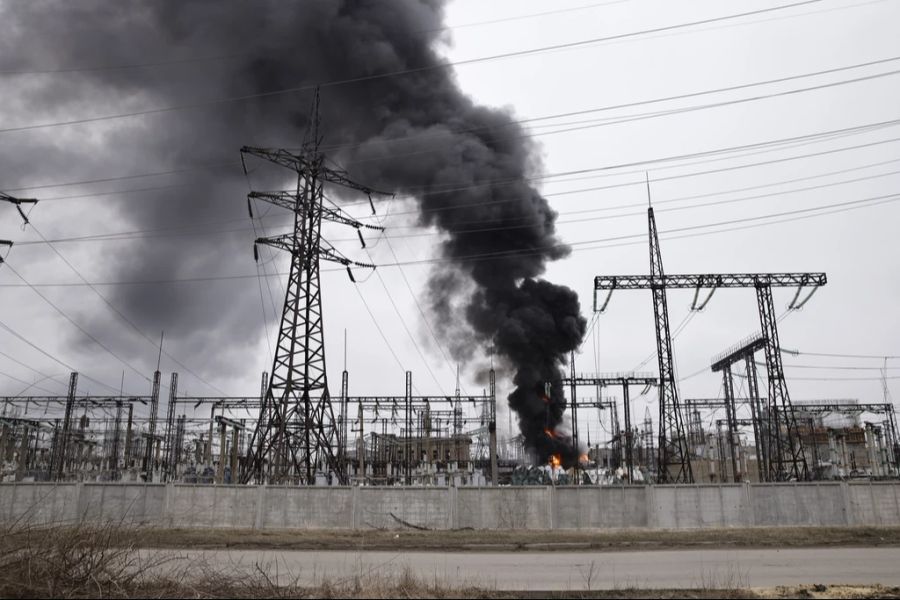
{"x": 107, "y": 561}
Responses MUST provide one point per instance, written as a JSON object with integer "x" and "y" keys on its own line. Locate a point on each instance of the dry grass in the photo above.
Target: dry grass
{"x": 262, "y": 581}
{"x": 104, "y": 561}
{"x": 519, "y": 540}
{"x": 69, "y": 562}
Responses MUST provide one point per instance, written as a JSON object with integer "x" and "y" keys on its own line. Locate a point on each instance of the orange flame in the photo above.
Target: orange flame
{"x": 583, "y": 458}
{"x": 555, "y": 460}
{"x": 550, "y": 433}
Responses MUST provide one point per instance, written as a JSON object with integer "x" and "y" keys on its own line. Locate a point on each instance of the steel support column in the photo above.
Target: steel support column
{"x": 730, "y": 412}
{"x": 674, "y": 464}
{"x": 787, "y": 460}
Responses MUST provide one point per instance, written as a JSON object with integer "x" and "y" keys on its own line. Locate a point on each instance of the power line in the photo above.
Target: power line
{"x": 378, "y": 327}
{"x": 50, "y": 356}
{"x": 30, "y": 385}
{"x": 651, "y": 115}
{"x": 595, "y": 123}
{"x": 238, "y": 55}
{"x": 408, "y": 332}
{"x": 233, "y": 163}
{"x": 838, "y": 368}
{"x": 579, "y": 245}
{"x": 843, "y": 378}
{"x": 425, "y": 319}
{"x": 525, "y": 221}
{"x": 262, "y": 300}
{"x": 523, "y": 17}
{"x": 438, "y": 66}
{"x": 853, "y": 203}
{"x": 124, "y": 318}
{"x": 679, "y": 157}
{"x": 73, "y": 322}
{"x": 155, "y": 188}
{"x": 533, "y": 222}
{"x": 657, "y": 179}
{"x": 456, "y": 187}
{"x": 832, "y": 355}
{"x": 849, "y": 131}
{"x": 23, "y": 364}
{"x": 192, "y": 229}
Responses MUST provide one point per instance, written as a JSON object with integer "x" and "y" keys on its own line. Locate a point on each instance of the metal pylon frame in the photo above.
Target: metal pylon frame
{"x": 786, "y": 459}
{"x": 298, "y": 437}
{"x": 673, "y": 458}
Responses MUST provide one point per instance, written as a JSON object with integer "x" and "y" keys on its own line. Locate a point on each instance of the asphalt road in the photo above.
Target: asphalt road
{"x": 713, "y": 568}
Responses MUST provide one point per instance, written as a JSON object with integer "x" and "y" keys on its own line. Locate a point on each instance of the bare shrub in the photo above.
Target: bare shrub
{"x": 69, "y": 561}
{"x": 104, "y": 561}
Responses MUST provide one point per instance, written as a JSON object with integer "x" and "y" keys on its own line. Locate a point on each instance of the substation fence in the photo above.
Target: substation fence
{"x": 447, "y": 508}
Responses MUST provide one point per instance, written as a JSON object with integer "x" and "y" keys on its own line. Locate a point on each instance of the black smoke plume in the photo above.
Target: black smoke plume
{"x": 413, "y": 132}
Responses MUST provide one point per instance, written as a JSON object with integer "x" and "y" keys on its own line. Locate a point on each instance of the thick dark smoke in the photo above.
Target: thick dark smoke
{"x": 414, "y": 133}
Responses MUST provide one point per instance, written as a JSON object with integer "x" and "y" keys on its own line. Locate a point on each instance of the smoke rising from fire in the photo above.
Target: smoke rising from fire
{"x": 415, "y": 133}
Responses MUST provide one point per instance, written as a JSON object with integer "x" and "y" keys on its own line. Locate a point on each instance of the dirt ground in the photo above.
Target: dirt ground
{"x": 520, "y": 540}
{"x": 804, "y": 591}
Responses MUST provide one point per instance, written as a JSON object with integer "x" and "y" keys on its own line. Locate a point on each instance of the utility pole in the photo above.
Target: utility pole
{"x": 148, "y": 466}
{"x": 492, "y": 427}
{"x": 60, "y": 454}
{"x": 299, "y": 432}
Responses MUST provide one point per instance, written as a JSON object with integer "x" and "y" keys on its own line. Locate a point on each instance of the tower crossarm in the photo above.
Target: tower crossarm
{"x": 339, "y": 177}
{"x": 837, "y": 406}
{"x": 18, "y": 202}
{"x": 287, "y": 241}
{"x": 690, "y": 403}
{"x": 289, "y": 160}
{"x": 738, "y": 422}
{"x": 603, "y": 380}
{"x": 291, "y": 201}
{"x": 306, "y": 162}
{"x": 720, "y": 280}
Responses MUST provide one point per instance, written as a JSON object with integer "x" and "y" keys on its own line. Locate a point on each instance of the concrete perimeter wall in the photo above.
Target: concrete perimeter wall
{"x": 588, "y": 507}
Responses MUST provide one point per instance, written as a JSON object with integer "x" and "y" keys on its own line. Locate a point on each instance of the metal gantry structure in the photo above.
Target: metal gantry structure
{"x": 400, "y": 439}
{"x": 599, "y": 382}
{"x": 407, "y": 439}
{"x": 787, "y": 459}
{"x": 297, "y": 433}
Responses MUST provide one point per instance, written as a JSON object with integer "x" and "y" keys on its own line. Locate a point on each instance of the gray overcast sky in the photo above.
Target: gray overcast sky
{"x": 856, "y": 313}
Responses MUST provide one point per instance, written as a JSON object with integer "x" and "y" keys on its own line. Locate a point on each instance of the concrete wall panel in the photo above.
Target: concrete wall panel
{"x": 588, "y": 507}
{"x": 875, "y": 503}
{"x": 524, "y": 507}
{"x": 390, "y": 507}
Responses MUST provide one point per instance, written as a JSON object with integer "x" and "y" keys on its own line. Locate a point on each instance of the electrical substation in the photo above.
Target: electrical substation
{"x": 297, "y": 431}
{"x": 449, "y": 299}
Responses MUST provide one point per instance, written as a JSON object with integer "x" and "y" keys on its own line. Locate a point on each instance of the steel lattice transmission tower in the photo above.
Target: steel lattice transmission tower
{"x": 297, "y": 435}
{"x": 673, "y": 460}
